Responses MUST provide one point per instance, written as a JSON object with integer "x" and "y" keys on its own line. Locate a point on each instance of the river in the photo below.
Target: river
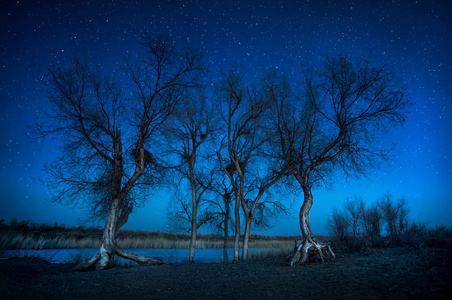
{"x": 61, "y": 256}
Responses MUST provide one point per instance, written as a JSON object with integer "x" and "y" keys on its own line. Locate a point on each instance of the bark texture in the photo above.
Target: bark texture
{"x": 117, "y": 216}
{"x": 104, "y": 259}
{"x": 309, "y": 247}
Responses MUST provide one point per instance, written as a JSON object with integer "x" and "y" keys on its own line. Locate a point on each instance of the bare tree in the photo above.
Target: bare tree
{"x": 259, "y": 207}
{"x": 352, "y": 212}
{"x": 180, "y": 214}
{"x": 373, "y": 218}
{"x": 338, "y": 225}
{"x": 107, "y": 138}
{"x": 402, "y": 220}
{"x": 393, "y": 213}
{"x": 221, "y": 208}
{"x": 232, "y": 97}
{"x": 249, "y": 168}
{"x": 193, "y": 125}
{"x": 179, "y": 211}
{"x": 370, "y": 219}
{"x": 333, "y": 126}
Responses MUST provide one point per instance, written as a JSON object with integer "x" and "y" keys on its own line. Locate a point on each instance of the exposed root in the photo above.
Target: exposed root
{"x": 103, "y": 260}
{"x": 88, "y": 264}
{"x": 310, "y": 249}
{"x": 106, "y": 259}
{"x": 139, "y": 259}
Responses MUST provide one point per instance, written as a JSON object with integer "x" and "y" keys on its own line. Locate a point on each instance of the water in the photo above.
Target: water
{"x": 61, "y": 256}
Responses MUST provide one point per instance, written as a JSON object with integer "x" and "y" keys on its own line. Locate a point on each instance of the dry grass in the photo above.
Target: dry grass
{"x": 25, "y": 235}
{"x": 11, "y": 240}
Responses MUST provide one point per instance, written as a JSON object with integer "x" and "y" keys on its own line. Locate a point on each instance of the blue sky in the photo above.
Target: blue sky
{"x": 412, "y": 37}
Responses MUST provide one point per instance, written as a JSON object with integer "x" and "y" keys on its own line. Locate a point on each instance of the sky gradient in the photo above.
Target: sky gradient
{"x": 414, "y": 38}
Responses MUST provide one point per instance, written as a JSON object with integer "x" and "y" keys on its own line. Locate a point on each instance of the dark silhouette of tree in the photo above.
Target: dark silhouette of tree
{"x": 220, "y": 206}
{"x": 374, "y": 219}
{"x": 179, "y": 211}
{"x": 188, "y": 134}
{"x": 394, "y": 215}
{"x": 332, "y": 125}
{"x": 108, "y": 139}
{"x": 370, "y": 219}
{"x": 243, "y": 154}
{"x": 338, "y": 225}
{"x": 232, "y": 97}
{"x": 353, "y": 216}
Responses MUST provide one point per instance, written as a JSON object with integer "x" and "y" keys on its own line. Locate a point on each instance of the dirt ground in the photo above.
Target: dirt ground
{"x": 392, "y": 273}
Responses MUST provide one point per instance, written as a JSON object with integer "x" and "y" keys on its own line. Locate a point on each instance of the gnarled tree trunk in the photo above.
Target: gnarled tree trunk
{"x": 108, "y": 247}
{"x": 104, "y": 259}
{"x": 117, "y": 216}
{"x": 309, "y": 246}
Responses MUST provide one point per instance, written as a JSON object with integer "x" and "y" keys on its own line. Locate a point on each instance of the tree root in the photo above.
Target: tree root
{"x": 139, "y": 259}
{"x": 102, "y": 260}
{"x": 310, "y": 249}
{"x": 88, "y": 264}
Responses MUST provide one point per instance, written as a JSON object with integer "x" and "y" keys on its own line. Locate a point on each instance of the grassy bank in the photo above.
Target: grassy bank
{"x": 26, "y": 235}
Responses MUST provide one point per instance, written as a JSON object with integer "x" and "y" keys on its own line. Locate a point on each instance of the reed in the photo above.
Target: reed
{"x": 27, "y": 241}
{"x": 26, "y": 235}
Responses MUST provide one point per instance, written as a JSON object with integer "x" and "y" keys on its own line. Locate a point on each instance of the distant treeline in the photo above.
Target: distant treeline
{"x": 381, "y": 224}
{"x": 29, "y": 235}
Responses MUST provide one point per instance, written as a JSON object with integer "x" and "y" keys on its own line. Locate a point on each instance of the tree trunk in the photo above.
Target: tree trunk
{"x": 117, "y": 216}
{"x": 108, "y": 247}
{"x": 246, "y": 238}
{"x": 237, "y": 228}
{"x": 104, "y": 259}
{"x": 191, "y": 255}
{"x": 226, "y": 229}
{"x": 194, "y": 210}
{"x": 309, "y": 247}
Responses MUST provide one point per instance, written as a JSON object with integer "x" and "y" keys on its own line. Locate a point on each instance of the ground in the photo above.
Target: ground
{"x": 391, "y": 273}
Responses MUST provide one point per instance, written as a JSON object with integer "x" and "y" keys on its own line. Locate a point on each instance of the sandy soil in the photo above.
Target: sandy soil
{"x": 393, "y": 273}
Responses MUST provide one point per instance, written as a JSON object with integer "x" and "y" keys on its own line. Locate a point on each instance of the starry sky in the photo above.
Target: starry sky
{"x": 414, "y": 38}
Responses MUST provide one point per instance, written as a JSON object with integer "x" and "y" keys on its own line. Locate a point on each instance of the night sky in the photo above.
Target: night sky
{"x": 412, "y": 37}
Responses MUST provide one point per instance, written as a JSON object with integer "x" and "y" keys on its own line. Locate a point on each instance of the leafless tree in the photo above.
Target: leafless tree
{"x": 402, "y": 220}
{"x": 107, "y": 138}
{"x": 332, "y": 126}
{"x": 338, "y": 224}
{"x": 373, "y": 218}
{"x": 232, "y": 96}
{"x": 244, "y": 113}
{"x": 220, "y": 207}
{"x": 370, "y": 219}
{"x": 394, "y": 214}
{"x": 191, "y": 128}
{"x": 362, "y": 216}
{"x": 179, "y": 211}
{"x": 386, "y": 211}
{"x": 352, "y": 212}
